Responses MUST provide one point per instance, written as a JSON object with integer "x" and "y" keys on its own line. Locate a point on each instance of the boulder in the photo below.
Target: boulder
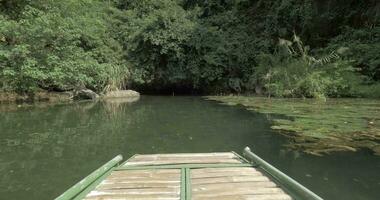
{"x": 85, "y": 94}
{"x": 122, "y": 94}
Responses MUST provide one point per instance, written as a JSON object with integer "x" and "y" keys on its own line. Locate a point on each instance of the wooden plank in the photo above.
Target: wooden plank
{"x": 135, "y": 191}
{"x": 182, "y": 158}
{"x": 135, "y": 175}
{"x": 247, "y": 197}
{"x": 232, "y": 186}
{"x": 194, "y": 158}
{"x": 227, "y": 170}
{"x": 227, "y": 154}
{"x": 139, "y": 184}
{"x": 224, "y": 174}
{"x": 140, "y": 190}
{"x": 219, "y": 176}
{"x": 141, "y": 181}
{"x": 229, "y": 179}
{"x": 133, "y": 196}
{"x": 234, "y": 183}
{"x": 185, "y": 161}
{"x": 128, "y": 178}
{"x": 142, "y": 158}
{"x": 237, "y": 191}
{"x": 129, "y": 197}
{"x": 180, "y": 166}
{"x": 150, "y": 171}
{"x": 132, "y": 185}
{"x": 145, "y": 176}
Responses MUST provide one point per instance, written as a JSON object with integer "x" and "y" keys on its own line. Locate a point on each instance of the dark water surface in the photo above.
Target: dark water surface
{"x": 45, "y": 149}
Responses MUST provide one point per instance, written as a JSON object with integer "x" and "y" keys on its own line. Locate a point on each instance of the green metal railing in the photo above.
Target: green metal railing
{"x": 83, "y": 184}
{"x": 297, "y": 190}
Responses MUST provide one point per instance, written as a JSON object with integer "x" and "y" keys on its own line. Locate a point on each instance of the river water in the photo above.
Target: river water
{"x": 44, "y": 149}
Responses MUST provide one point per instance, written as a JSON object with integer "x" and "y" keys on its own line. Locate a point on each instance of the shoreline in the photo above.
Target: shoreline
{"x": 40, "y": 96}
{"x": 61, "y": 97}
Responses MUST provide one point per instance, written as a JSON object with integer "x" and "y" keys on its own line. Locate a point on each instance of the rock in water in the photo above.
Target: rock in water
{"x": 122, "y": 94}
{"x": 85, "y": 94}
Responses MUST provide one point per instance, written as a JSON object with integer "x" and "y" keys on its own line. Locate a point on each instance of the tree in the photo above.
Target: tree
{"x": 58, "y": 46}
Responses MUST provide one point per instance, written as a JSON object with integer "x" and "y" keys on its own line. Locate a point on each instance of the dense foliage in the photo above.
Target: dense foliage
{"x": 58, "y": 45}
{"x": 273, "y": 47}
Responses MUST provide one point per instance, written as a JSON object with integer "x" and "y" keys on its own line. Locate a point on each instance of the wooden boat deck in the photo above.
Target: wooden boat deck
{"x": 197, "y": 176}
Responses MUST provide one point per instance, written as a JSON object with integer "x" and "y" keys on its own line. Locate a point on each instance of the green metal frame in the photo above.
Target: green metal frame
{"x": 183, "y": 184}
{"x": 244, "y": 160}
{"x": 188, "y": 184}
{"x": 92, "y": 186}
{"x": 90, "y": 179}
{"x": 295, "y": 189}
{"x": 123, "y": 163}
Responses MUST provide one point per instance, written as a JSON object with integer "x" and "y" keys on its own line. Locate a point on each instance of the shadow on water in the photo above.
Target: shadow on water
{"x": 45, "y": 149}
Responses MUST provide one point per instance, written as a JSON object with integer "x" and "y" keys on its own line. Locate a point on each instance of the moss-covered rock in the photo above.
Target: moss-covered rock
{"x": 121, "y": 94}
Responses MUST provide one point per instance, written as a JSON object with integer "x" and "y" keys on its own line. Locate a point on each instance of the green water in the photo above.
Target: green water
{"x": 45, "y": 149}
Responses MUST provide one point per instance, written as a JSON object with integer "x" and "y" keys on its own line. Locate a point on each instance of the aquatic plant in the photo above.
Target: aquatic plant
{"x": 319, "y": 127}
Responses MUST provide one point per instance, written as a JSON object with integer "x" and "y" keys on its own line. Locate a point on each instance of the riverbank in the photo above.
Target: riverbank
{"x": 319, "y": 127}
{"x": 60, "y": 97}
{"x": 41, "y": 96}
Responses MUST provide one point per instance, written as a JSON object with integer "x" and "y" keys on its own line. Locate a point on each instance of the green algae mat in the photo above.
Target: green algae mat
{"x": 319, "y": 127}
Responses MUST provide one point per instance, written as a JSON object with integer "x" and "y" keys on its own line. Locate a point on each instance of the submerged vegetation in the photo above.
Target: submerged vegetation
{"x": 281, "y": 48}
{"x": 319, "y": 127}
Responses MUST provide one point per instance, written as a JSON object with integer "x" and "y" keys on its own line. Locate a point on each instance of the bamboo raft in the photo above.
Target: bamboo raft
{"x": 196, "y": 176}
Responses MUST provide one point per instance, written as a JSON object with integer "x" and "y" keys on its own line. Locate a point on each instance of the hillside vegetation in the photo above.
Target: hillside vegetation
{"x": 283, "y": 48}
